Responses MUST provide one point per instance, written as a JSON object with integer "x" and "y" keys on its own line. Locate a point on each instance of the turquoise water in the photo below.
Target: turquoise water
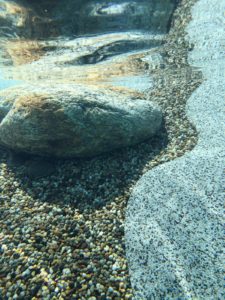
{"x": 5, "y": 83}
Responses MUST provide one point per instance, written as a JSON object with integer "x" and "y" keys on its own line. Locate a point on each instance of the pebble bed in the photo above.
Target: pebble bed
{"x": 62, "y": 234}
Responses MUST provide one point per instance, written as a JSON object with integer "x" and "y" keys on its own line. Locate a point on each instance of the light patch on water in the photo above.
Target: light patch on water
{"x": 6, "y": 83}
{"x": 138, "y": 83}
{"x": 114, "y": 9}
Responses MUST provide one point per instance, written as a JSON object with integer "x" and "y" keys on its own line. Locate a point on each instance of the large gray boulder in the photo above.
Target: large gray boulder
{"x": 73, "y": 121}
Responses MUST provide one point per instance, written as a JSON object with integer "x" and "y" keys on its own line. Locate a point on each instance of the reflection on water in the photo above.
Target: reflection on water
{"x": 115, "y": 59}
{"x": 114, "y": 37}
{"x": 138, "y": 83}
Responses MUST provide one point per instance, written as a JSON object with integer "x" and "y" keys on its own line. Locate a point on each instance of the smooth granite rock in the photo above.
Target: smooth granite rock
{"x": 71, "y": 120}
{"x": 174, "y": 222}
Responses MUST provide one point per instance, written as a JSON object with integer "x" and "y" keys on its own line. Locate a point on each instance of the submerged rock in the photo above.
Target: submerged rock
{"x": 80, "y": 64}
{"x": 68, "y": 121}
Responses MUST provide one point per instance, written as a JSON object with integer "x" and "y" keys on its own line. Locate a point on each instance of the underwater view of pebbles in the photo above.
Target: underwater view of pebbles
{"x": 62, "y": 222}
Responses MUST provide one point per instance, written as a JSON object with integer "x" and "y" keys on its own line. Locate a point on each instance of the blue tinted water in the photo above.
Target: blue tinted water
{"x": 5, "y": 83}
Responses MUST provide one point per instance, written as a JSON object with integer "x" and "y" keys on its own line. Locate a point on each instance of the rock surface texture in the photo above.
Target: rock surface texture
{"x": 80, "y": 96}
{"x": 174, "y": 220}
{"x": 71, "y": 121}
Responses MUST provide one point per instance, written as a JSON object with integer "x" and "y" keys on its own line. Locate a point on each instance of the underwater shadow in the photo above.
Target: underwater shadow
{"x": 85, "y": 184}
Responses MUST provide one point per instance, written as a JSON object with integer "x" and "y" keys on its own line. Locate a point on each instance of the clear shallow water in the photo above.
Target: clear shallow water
{"x": 99, "y": 60}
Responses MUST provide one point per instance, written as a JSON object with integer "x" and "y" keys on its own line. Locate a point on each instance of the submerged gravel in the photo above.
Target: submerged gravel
{"x": 62, "y": 234}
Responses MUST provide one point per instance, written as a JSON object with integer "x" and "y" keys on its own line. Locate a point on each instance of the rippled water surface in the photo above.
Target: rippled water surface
{"x": 99, "y": 43}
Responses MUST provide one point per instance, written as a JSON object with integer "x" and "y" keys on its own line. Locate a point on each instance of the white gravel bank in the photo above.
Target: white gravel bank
{"x": 174, "y": 226}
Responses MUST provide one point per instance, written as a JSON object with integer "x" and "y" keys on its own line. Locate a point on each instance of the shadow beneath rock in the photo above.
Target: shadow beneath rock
{"x": 85, "y": 183}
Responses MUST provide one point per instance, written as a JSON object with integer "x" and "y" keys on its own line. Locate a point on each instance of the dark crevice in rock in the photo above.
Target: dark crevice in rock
{"x": 171, "y": 17}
